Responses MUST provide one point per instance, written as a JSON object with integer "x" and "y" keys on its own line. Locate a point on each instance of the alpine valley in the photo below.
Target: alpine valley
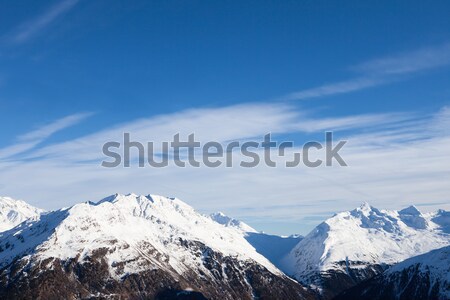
{"x": 154, "y": 247}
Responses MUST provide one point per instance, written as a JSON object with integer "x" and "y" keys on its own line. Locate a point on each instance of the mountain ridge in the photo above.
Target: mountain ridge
{"x": 130, "y": 238}
{"x": 355, "y": 245}
{"x": 153, "y": 243}
{"x": 425, "y": 276}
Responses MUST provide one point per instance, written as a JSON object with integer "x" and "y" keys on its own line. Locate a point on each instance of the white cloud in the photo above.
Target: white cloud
{"x": 334, "y": 88}
{"x": 47, "y": 130}
{"x": 409, "y": 62}
{"x": 218, "y": 124}
{"x": 372, "y": 121}
{"x": 31, "y": 28}
{"x": 380, "y": 71}
{"x": 404, "y": 160}
{"x": 32, "y": 139}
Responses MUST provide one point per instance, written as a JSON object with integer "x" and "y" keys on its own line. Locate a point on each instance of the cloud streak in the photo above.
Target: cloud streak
{"x": 33, "y": 27}
{"x": 31, "y": 139}
{"x": 337, "y": 88}
{"x": 47, "y": 130}
{"x": 411, "y": 62}
{"x": 380, "y": 71}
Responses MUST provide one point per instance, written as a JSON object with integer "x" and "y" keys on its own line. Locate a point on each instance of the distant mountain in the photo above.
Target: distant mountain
{"x": 223, "y": 219}
{"x": 442, "y": 219}
{"x": 356, "y": 245}
{"x": 135, "y": 247}
{"x": 14, "y": 212}
{"x": 424, "y": 277}
{"x": 273, "y": 247}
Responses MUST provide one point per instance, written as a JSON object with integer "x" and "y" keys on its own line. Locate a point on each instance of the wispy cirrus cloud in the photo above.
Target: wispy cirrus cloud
{"x": 372, "y": 121}
{"x": 409, "y": 62}
{"x": 221, "y": 124}
{"x": 336, "y": 88}
{"x": 31, "y": 139}
{"x": 380, "y": 71}
{"x": 31, "y": 28}
{"x": 49, "y": 129}
{"x": 395, "y": 159}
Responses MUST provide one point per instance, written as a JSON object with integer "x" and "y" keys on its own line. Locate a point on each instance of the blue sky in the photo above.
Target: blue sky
{"x": 75, "y": 73}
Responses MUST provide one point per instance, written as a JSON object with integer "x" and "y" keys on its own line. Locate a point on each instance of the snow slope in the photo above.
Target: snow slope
{"x": 227, "y": 221}
{"x": 351, "y": 241}
{"x": 442, "y": 219}
{"x": 433, "y": 266}
{"x": 272, "y": 247}
{"x": 129, "y": 222}
{"x": 426, "y": 276}
{"x": 14, "y": 212}
{"x": 135, "y": 247}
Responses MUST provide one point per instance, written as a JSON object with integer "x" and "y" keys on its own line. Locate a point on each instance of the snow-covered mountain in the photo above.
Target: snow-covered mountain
{"x": 135, "y": 247}
{"x": 442, "y": 219}
{"x": 273, "y": 247}
{"x": 356, "y": 245}
{"x": 130, "y": 246}
{"x": 14, "y": 212}
{"x": 227, "y": 221}
{"x": 425, "y": 277}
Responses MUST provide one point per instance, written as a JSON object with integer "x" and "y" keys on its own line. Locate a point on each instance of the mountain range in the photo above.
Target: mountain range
{"x": 135, "y": 247}
{"x": 154, "y": 247}
{"x": 356, "y": 245}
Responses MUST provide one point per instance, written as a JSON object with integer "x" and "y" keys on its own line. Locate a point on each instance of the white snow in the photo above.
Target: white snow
{"x": 227, "y": 221}
{"x": 272, "y": 247}
{"x": 14, "y": 212}
{"x": 434, "y": 265}
{"x": 131, "y": 227}
{"x": 150, "y": 230}
{"x": 364, "y": 236}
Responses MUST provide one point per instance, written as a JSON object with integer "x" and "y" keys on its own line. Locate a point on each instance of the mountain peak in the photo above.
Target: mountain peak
{"x": 364, "y": 210}
{"x": 135, "y": 198}
{"x": 227, "y": 221}
{"x": 413, "y": 218}
{"x": 117, "y": 196}
{"x": 365, "y": 206}
{"x": 14, "y": 212}
{"x": 8, "y": 201}
{"x": 410, "y": 210}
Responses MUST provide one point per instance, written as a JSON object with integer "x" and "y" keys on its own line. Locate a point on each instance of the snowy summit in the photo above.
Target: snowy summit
{"x": 14, "y": 212}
